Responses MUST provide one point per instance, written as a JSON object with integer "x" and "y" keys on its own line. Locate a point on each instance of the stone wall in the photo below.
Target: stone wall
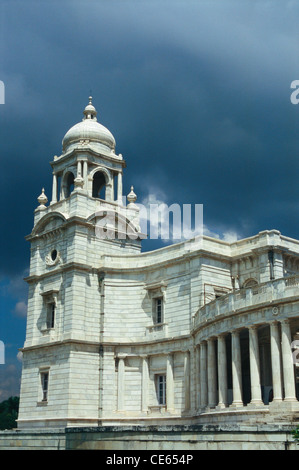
{"x": 153, "y": 438}
{"x": 35, "y": 440}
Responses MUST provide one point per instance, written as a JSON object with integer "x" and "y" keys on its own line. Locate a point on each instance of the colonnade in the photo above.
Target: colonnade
{"x": 206, "y": 372}
{"x": 211, "y": 385}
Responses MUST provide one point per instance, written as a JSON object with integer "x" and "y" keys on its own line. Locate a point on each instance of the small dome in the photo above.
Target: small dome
{"x": 89, "y": 129}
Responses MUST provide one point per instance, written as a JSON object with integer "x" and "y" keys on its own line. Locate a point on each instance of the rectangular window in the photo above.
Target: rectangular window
{"x": 158, "y": 318}
{"x": 51, "y": 315}
{"x": 45, "y": 385}
{"x": 161, "y": 389}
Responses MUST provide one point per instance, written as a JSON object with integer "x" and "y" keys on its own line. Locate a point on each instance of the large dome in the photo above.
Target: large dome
{"x": 89, "y": 129}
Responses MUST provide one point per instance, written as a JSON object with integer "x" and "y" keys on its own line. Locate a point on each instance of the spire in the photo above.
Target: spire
{"x": 90, "y": 111}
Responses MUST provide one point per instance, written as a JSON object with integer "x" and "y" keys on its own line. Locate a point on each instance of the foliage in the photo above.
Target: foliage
{"x": 295, "y": 434}
{"x": 9, "y": 413}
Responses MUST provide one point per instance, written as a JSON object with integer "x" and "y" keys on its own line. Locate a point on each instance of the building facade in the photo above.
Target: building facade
{"x": 185, "y": 334}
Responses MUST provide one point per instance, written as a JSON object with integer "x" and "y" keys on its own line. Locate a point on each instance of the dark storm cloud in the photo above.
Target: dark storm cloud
{"x": 195, "y": 93}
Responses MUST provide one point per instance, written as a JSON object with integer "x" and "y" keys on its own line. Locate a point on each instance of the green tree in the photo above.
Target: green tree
{"x": 9, "y": 413}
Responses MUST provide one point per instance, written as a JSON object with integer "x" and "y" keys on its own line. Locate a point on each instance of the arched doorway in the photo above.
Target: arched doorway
{"x": 68, "y": 184}
{"x": 99, "y": 185}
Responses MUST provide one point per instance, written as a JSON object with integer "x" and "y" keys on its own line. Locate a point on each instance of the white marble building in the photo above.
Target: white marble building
{"x": 183, "y": 334}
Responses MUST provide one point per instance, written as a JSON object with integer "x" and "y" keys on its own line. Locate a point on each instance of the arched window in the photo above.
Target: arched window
{"x": 99, "y": 185}
{"x": 68, "y": 184}
{"x": 250, "y": 283}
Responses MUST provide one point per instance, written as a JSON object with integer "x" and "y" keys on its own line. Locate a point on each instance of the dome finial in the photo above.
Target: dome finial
{"x": 42, "y": 199}
{"x": 131, "y": 197}
{"x": 90, "y": 111}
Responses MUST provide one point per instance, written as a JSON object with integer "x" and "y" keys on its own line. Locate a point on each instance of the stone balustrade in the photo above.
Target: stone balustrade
{"x": 234, "y": 302}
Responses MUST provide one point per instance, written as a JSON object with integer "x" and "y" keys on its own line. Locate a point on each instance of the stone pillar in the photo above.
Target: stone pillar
{"x": 222, "y": 372}
{"x": 192, "y": 382}
{"x": 287, "y": 362}
{"x": 278, "y": 265}
{"x": 187, "y": 379}
{"x": 112, "y": 188}
{"x": 197, "y": 378}
{"x": 54, "y": 189}
{"x": 85, "y": 175}
{"x": 79, "y": 169}
{"x": 236, "y": 369}
{"x": 121, "y": 384}
{"x": 119, "y": 187}
{"x": 275, "y": 361}
{"x": 212, "y": 374}
{"x": 169, "y": 383}
{"x": 109, "y": 193}
{"x": 79, "y": 181}
{"x": 203, "y": 376}
{"x": 255, "y": 380}
{"x": 264, "y": 267}
{"x": 144, "y": 389}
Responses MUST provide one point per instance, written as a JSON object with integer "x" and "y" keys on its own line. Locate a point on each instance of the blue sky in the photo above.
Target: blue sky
{"x": 196, "y": 94}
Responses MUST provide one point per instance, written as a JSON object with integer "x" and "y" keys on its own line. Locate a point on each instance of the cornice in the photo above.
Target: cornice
{"x": 87, "y": 149}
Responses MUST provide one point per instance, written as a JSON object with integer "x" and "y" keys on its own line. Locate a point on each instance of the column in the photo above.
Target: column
{"x": 54, "y": 189}
{"x": 287, "y": 361}
{"x": 109, "y": 193}
{"x": 255, "y": 379}
{"x": 192, "y": 382}
{"x": 79, "y": 169}
{"x": 203, "y": 375}
{"x": 278, "y": 265}
{"x": 275, "y": 361}
{"x": 119, "y": 187}
{"x": 112, "y": 187}
{"x": 85, "y": 175}
{"x": 79, "y": 181}
{"x": 187, "y": 379}
{"x": 120, "y": 384}
{"x": 222, "y": 372}
{"x": 212, "y": 376}
{"x": 144, "y": 389}
{"x": 169, "y": 383}
{"x": 197, "y": 378}
{"x": 236, "y": 369}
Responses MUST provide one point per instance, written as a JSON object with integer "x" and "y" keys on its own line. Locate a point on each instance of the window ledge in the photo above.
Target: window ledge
{"x": 47, "y": 331}
{"x": 42, "y": 403}
{"x": 157, "y": 408}
{"x": 156, "y": 325}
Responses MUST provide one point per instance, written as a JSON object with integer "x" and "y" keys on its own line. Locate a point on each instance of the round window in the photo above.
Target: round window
{"x": 54, "y": 255}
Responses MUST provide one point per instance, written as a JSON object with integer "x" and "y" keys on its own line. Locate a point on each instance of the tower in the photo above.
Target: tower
{"x": 87, "y": 218}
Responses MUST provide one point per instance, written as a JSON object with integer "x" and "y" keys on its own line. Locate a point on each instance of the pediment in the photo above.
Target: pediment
{"x": 49, "y": 223}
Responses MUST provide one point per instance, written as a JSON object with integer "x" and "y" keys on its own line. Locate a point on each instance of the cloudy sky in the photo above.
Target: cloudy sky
{"x": 196, "y": 94}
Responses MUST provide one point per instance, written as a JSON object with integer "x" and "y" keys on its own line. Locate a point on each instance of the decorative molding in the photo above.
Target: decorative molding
{"x": 50, "y": 262}
{"x": 160, "y": 285}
